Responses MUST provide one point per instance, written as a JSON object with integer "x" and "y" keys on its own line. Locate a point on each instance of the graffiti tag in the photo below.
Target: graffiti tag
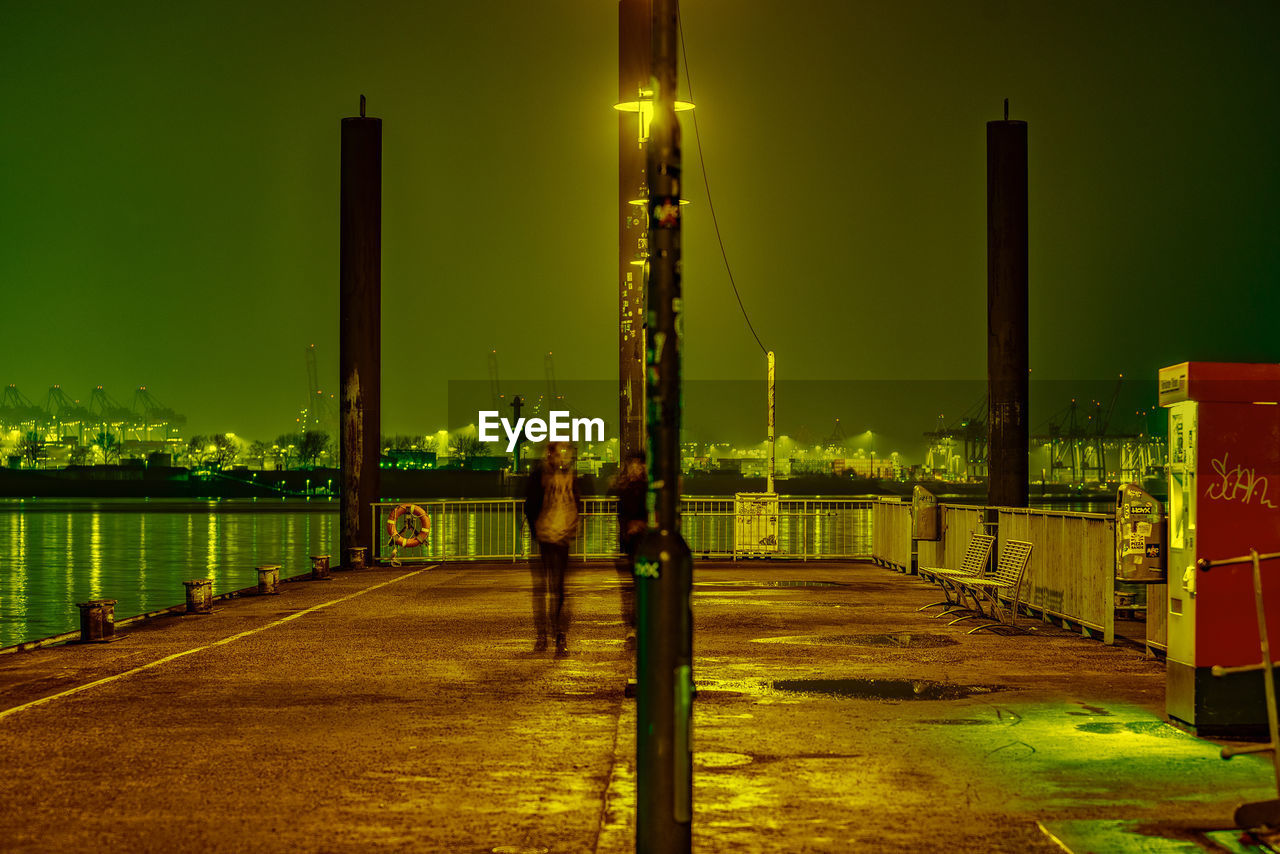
{"x": 1238, "y": 484}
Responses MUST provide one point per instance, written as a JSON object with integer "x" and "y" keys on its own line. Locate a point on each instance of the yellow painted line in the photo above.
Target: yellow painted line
{"x": 1054, "y": 839}
{"x": 236, "y": 637}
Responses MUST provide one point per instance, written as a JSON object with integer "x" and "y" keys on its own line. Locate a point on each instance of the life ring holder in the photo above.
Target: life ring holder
{"x": 417, "y": 525}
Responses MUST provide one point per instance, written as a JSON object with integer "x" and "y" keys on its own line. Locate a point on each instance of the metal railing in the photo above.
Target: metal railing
{"x": 1072, "y": 571}
{"x": 495, "y": 529}
{"x": 1071, "y": 575}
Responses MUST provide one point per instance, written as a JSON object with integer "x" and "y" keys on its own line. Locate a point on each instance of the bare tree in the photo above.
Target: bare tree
{"x": 313, "y": 445}
{"x": 109, "y": 445}
{"x": 225, "y": 449}
{"x": 466, "y": 448}
{"x": 197, "y": 447}
{"x": 259, "y": 452}
{"x": 31, "y": 447}
{"x": 79, "y": 456}
{"x": 286, "y": 449}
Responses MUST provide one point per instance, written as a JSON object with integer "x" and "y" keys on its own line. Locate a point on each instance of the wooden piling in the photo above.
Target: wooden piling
{"x": 360, "y": 326}
{"x": 1008, "y": 360}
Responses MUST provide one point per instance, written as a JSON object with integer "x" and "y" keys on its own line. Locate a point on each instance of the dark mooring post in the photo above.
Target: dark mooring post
{"x": 1008, "y": 361}
{"x": 360, "y": 328}
{"x": 664, "y": 567}
{"x": 635, "y": 48}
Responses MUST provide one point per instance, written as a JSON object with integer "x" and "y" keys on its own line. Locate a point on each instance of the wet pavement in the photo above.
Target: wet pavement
{"x": 404, "y": 709}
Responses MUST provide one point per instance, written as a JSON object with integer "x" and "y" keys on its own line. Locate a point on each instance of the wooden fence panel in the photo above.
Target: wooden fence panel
{"x": 1158, "y": 617}
{"x": 932, "y": 552}
{"x": 960, "y": 524}
{"x": 891, "y": 534}
{"x": 903, "y": 544}
{"x": 1071, "y": 574}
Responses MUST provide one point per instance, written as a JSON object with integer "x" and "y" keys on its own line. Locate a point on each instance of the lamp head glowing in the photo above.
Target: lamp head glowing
{"x": 644, "y": 106}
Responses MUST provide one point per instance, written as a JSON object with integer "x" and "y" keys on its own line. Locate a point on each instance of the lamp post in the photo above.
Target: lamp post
{"x": 663, "y": 564}
{"x": 636, "y": 96}
{"x": 773, "y": 444}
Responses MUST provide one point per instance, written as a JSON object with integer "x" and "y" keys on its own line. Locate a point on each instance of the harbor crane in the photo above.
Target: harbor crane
{"x": 318, "y": 414}
{"x": 150, "y": 415}
{"x": 108, "y": 415}
{"x": 67, "y": 416}
{"x": 555, "y": 398}
{"x": 17, "y": 412}
{"x": 970, "y": 433}
{"x": 494, "y": 386}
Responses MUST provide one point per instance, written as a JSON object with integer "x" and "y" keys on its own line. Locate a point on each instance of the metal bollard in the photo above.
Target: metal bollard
{"x": 320, "y": 567}
{"x": 355, "y": 557}
{"x": 97, "y": 620}
{"x": 268, "y": 578}
{"x": 199, "y": 596}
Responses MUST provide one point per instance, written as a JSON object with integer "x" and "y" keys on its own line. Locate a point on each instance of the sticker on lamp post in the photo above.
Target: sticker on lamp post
{"x": 647, "y": 568}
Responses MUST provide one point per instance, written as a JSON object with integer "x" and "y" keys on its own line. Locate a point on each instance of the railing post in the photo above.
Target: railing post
{"x": 1109, "y": 589}
{"x": 804, "y": 531}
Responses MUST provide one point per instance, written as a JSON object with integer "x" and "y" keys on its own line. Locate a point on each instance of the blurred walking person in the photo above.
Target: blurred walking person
{"x": 632, "y": 489}
{"x": 552, "y": 505}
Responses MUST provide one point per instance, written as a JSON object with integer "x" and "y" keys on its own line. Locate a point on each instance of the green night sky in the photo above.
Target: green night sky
{"x": 170, "y": 188}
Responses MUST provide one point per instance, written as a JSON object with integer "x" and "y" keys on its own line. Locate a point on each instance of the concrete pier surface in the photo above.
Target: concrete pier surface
{"x": 403, "y": 709}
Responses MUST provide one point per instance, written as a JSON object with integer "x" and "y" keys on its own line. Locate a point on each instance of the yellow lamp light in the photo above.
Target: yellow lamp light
{"x": 641, "y": 202}
{"x": 644, "y": 107}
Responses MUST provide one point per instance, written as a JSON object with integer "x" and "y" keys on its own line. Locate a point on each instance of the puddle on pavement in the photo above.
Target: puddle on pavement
{"x": 897, "y": 640}
{"x": 900, "y": 639}
{"x": 882, "y": 689}
{"x": 708, "y": 759}
{"x": 1159, "y": 729}
{"x": 770, "y": 583}
{"x": 959, "y": 722}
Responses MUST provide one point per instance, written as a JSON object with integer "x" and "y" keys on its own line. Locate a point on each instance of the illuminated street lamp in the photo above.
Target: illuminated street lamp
{"x": 643, "y": 105}
{"x": 636, "y": 95}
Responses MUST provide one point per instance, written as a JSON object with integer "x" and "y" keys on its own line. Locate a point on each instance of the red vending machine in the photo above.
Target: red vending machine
{"x": 1224, "y": 499}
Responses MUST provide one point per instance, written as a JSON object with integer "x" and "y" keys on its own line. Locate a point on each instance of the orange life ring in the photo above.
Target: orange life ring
{"x": 418, "y": 524}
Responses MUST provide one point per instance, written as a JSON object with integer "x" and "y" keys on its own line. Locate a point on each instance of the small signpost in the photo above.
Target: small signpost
{"x": 755, "y": 523}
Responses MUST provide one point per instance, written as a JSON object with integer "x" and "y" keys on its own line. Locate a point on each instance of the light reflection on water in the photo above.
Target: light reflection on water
{"x": 57, "y": 552}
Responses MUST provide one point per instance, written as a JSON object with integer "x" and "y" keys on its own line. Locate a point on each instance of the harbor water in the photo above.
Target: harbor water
{"x": 57, "y": 552}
